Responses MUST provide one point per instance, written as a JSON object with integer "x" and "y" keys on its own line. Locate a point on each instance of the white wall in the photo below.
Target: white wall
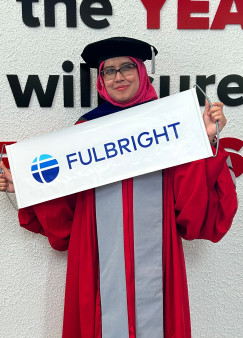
{"x": 32, "y": 278}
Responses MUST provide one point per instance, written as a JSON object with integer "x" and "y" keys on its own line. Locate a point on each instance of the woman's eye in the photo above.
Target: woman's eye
{"x": 127, "y": 67}
{"x": 110, "y": 71}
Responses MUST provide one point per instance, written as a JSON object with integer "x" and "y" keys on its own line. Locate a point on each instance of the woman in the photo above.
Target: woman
{"x": 123, "y": 245}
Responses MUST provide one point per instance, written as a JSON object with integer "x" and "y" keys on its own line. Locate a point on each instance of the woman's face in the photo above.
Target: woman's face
{"x": 121, "y": 88}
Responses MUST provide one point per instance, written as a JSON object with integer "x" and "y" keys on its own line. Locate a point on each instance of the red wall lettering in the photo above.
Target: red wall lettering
{"x": 153, "y": 12}
{"x": 185, "y": 8}
{"x": 236, "y": 159}
{"x": 224, "y": 17}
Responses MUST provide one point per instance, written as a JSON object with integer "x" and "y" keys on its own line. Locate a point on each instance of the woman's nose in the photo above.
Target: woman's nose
{"x": 119, "y": 76}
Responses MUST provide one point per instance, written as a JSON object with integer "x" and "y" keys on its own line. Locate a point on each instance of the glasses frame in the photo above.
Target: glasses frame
{"x": 102, "y": 72}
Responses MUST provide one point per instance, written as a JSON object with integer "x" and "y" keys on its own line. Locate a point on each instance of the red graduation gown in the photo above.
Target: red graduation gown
{"x": 199, "y": 201}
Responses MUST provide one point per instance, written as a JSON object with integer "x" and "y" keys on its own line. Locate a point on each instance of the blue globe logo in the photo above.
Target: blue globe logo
{"x": 45, "y": 168}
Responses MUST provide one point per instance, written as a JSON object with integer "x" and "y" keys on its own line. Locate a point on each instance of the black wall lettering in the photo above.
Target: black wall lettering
{"x": 22, "y": 99}
{"x": 68, "y": 95}
{"x": 27, "y": 13}
{"x": 224, "y": 90}
{"x": 46, "y": 97}
{"x": 86, "y": 12}
{"x": 184, "y": 83}
{"x": 67, "y": 66}
{"x": 164, "y": 86}
{"x": 71, "y": 15}
{"x": 85, "y": 85}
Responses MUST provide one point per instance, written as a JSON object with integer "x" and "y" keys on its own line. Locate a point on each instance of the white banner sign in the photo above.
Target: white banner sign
{"x": 149, "y": 137}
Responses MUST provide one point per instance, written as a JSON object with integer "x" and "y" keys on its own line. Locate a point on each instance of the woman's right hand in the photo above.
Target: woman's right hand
{"x": 6, "y": 181}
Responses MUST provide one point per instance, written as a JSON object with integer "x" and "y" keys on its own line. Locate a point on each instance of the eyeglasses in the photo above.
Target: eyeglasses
{"x": 125, "y": 70}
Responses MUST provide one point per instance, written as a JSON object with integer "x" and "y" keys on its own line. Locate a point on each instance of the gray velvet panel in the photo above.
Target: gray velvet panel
{"x": 147, "y": 199}
{"x": 109, "y": 216}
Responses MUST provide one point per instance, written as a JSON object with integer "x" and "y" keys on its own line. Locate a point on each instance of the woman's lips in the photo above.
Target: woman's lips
{"x": 121, "y": 88}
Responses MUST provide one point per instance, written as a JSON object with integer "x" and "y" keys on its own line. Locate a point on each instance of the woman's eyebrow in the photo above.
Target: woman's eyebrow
{"x": 122, "y": 64}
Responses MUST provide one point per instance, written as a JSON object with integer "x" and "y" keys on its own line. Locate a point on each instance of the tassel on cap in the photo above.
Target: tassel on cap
{"x": 153, "y": 60}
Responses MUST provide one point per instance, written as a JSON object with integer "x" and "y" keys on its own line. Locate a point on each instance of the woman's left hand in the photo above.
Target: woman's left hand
{"x": 211, "y": 115}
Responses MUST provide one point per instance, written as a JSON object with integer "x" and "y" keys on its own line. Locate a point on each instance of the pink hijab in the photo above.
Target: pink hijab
{"x": 146, "y": 91}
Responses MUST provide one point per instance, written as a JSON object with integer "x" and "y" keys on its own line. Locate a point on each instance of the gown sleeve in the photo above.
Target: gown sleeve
{"x": 52, "y": 219}
{"x": 205, "y": 198}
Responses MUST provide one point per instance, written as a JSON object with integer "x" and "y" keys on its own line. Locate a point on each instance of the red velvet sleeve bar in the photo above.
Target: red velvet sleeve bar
{"x": 52, "y": 219}
{"x": 205, "y": 198}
